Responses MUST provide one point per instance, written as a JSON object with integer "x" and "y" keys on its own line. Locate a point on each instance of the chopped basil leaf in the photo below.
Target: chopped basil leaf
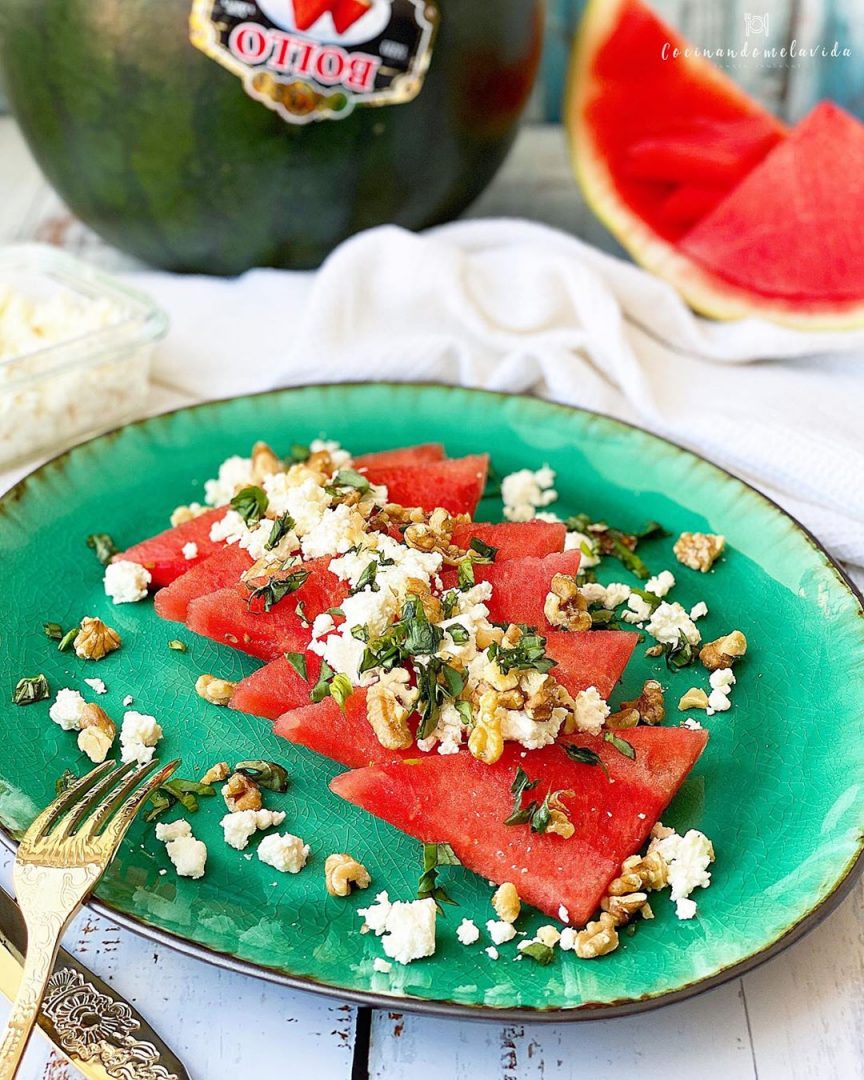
{"x": 458, "y": 633}
{"x": 539, "y": 952}
{"x": 464, "y": 710}
{"x": 621, "y": 745}
{"x": 266, "y": 774}
{"x": 321, "y": 689}
{"x": 335, "y": 612}
{"x": 361, "y": 633}
{"x": 529, "y": 654}
{"x": 53, "y": 630}
{"x": 521, "y": 815}
{"x": 300, "y": 612}
{"x": 627, "y": 557}
{"x": 65, "y": 781}
{"x": 348, "y": 478}
{"x": 616, "y": 542}
{"x": 66, "y": 641}
{"x": 583, "y": 755}
{"x": 340, "y": 689}
{"x": 159, "y": 803}
{"x": 281, "y": 527}
{"x": 602, "y": 617}
{"x": 28, "y": 690}
{"x": 367, "y": 579}
{"x": 448, "y": 603}
{"x": 178, "y": 646}
{"x": 276, "y": 588}
{"x": 679, "y": 655}
{"x": 104, "y": 547}
{"x": 651, "y": 599}
{"x": 297, "y": 660}
{"x": 486, "y": 552}
{"x": 427, "y": 886}
{"x": 250, "y": 503}
{"x": 466, "y": 578}
{"x": 176, "y": 791}
{"x": 298, "y": 454}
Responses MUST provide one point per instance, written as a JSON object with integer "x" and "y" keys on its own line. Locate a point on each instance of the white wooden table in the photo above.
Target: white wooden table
{"x": 801, "y": 1016}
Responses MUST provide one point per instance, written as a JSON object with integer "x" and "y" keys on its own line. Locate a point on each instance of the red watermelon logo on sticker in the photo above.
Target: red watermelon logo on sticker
{"x": 314, "y": 60}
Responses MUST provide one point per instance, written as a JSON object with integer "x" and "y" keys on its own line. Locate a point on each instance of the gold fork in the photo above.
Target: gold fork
{"x": 60, "y": 859}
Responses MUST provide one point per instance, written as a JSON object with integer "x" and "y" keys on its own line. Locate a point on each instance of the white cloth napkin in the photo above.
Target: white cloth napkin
{"x": 510, "y": 305}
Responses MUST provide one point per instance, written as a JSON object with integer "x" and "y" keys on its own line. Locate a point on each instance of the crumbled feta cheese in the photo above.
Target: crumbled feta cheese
{"x": 722, "y": 679}
{"x": 692, "y": 724}
{"x": 189, "y": 551}
{"x": 286, "y": 853}
{"x": 336, "y": 532}
{"x": 256, "y": 539}
{"x": 467, "y": 932}
{"x": 590, "y": 549}
{"x": 591, "y": 711}
{"x": 188, "y": 855}
{"x": 563, "y": 914}
{"x": 239, "y": 826}
{"x": 406, "y": 929}
{"x": 340, "y": 458}
{"x": 549, "y": 936}
{"x": 98, "y": 685}
{"x": 500, "y": 932}
{"x": 231, "y": 528}
{"x": 517, "y": 726}
{"x": 568, "y": 939}
{"x": 381, "y": 965}
{"x": 670, "y": 620}
{"x": 615, "y": 594}
{"x": 699, "y": 611}
{"x": 447, "y": 733}
{"x": 172, "y": 830}
{"x": 524, "y": 492}
{"x": 67, "y": 708}
{"x": 491, "y": 952}
{"x": 685, "y": 908}
{"x": 687, "y": 858}
{"x": 127, "y": 701}
{"x": 718, "y": 701}
{"x": 126, "y": 582}
{"x": 661, "y": 583}
{"x": 638, "y": 610}
{"x": 304, "y": 502}
{"x": 138, "y": 736}
{"x": 235, "y": 472}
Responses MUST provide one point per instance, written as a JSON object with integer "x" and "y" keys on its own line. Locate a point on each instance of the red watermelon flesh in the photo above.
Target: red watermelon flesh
{"x": 590, "y": 658}
{"x": 513, "y": 539}
{"x": 217, "y": 572}
{"x": 805, "y": 199}
{"x": 277, "y": 687}
{"x": 422, "y": 454}
{"x": 519, "y": 586}
{"x": 225, "y": 615}
{"x": 462, "y": 802}
{"x": 595, "y": 658}
{"x": 162, "y": 554}
{"x": 456, "y": 484}
{"x": 693, "y": 124}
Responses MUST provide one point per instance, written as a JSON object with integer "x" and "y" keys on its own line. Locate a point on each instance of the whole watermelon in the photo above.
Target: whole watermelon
{"x": 160, "y": 150}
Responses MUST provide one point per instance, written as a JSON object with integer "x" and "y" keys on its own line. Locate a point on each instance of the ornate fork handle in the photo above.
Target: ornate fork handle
{"x": 49, "y": 897}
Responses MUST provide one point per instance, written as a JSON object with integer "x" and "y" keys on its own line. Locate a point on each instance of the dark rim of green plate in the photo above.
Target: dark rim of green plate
{"x": 589, "y": 1011}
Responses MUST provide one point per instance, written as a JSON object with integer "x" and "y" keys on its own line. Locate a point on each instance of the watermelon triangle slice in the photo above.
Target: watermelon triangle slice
{"x": 277, "y": 687}
{"x": 462, "y": 802}
{"x": 590, "y": 658}
{"x": 163, "y": 554}
{"x": 219, "y": 571}
{"x": 818, "y": 170}
{"x": 519, "y": 586}
{"x": 456, "y": 484}
{"x": 513, "y": 539}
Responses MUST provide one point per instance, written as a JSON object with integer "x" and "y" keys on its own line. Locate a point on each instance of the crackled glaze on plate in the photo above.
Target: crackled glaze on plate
{"x": 779, "y": 788}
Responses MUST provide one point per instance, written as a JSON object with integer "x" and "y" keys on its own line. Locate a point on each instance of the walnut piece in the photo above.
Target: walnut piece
{"x": 486, "y": 743}
{"x": 216, "y": 691}
{"x": 698, "y": 550}
{"x": 598, "y": 938}
{"x": 436, "y": 534}
{"x": 506, "y": 902}
{"x": 559, "y": 815}
{"x": 180, "y": 515}
{"x": 695, "y": 698}
{"x": 651, "y": 869}
{"x": 389, "y": 703}
{"x": 264, "y": 462}
{"x": 724, "y": 651}
{"x": 241, "y": 793}
{"x": 623, "y": 908}
{"x": 341, "y": 871}
{"x": 650, "y": 704}
{"x": 95, "y": 640}
{"x": 624, "y": 718}
{"x": 565, "y": 605}
{"x": 97, "y": 733}
{"x": 216, "y": 773}
{"x": 431, "y": 604}
{"x": 654, "y": 650}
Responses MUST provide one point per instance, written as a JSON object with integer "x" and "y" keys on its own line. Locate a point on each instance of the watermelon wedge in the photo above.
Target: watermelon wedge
{"x": 513, "y": 539}
{"x": 219, "y": 571}
{"x": 456, "y": 484}
{"x": 698, "y": 184}
{"x": 163, "y": 555}
{"x": 277, "y": 687}
{"x": 464, "y": 803}
{"x": 590, "y": 658}
{"x": 345, "y": 735}
{"x": 519, "y": 586}
{"x": 225, "y": 615}
{"x": 422, "y": 454}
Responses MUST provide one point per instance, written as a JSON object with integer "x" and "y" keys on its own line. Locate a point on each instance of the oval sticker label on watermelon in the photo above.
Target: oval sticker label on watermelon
{"x": 317, "y": 59}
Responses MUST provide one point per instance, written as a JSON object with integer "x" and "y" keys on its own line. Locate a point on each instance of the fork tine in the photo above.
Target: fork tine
{"x": 125, "y": 810}
{"x": 52, "y": 812}
{"x": 70, "y": 821}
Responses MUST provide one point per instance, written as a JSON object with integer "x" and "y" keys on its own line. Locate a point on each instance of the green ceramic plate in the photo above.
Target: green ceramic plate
{"x": 778, "y": 790}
